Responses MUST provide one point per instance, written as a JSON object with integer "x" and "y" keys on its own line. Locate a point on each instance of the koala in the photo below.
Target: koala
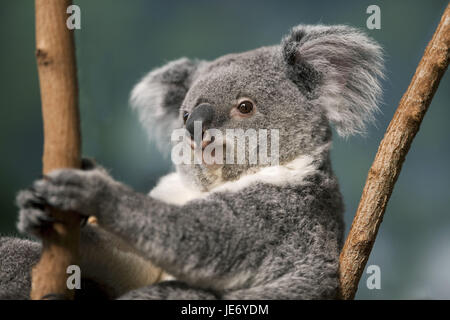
{"x": 229, "y": 230}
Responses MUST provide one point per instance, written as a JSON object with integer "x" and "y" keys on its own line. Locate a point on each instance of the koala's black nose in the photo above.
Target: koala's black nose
{"x": 203, "y": 113}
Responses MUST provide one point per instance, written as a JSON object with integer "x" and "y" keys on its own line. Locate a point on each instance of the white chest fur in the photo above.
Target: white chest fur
{"x": 172, "y": 189}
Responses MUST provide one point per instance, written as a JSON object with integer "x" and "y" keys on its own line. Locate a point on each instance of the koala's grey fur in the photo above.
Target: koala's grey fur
{"x": 16, "y": 256}
{"x": 241, "y": 232}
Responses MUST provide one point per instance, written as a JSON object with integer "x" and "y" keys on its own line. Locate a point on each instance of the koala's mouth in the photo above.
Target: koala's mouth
{"x": 207, "y": 148}
{"x": 204, "y": 143}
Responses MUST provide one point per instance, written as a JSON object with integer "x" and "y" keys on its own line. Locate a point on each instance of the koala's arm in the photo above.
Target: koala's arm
{"x": 226, "y": 241}
{"x": 109, "y": 266}
{"x": 113, "y": 265}
{"x": 205, "y": 241}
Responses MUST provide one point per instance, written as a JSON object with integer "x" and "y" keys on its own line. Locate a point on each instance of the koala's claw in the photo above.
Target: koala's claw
{"x": 88, "y": 164}
{"x": 33, "y": 222}
{"x": 30, "y": 199}
{"x": 34, "y": 213}
{"x": 74, "y": 190}
{"x": 34, "y": 216}
{"x": 81, "y": 191}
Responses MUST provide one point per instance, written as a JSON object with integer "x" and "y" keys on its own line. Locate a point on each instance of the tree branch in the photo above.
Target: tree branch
{"x": 390, "y": 156}
{"x": 55, "y": 56}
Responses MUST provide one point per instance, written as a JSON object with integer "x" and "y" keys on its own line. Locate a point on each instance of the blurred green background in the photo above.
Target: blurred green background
{"x": 121, "y": 40}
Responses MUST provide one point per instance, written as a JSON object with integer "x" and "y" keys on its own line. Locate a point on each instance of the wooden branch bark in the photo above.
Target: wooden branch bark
{"x": 59, "y": 94}
{"x": 390, "y": 156}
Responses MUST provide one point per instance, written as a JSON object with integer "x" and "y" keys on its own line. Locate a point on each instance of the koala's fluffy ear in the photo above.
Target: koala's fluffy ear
{"x": 340, "y": 68}
{"x": 159, "y": 95}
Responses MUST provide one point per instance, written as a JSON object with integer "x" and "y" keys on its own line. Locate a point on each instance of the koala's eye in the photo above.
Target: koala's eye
{"x": 245, "y": 107}
{"x": 185, "y": 116}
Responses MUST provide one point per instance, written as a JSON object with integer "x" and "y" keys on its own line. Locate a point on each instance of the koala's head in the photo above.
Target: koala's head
{"x": 317, "y": 76}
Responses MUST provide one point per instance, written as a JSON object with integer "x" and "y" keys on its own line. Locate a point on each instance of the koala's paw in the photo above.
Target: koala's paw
{"x": 76, "y": 190}
{"x": 34, "y": 216}
{"x": 88, "y": 164}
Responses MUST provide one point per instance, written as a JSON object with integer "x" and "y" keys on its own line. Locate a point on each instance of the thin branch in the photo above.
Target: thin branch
{"x": 55, "y": 56}
{"x": 390, "y": 156}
